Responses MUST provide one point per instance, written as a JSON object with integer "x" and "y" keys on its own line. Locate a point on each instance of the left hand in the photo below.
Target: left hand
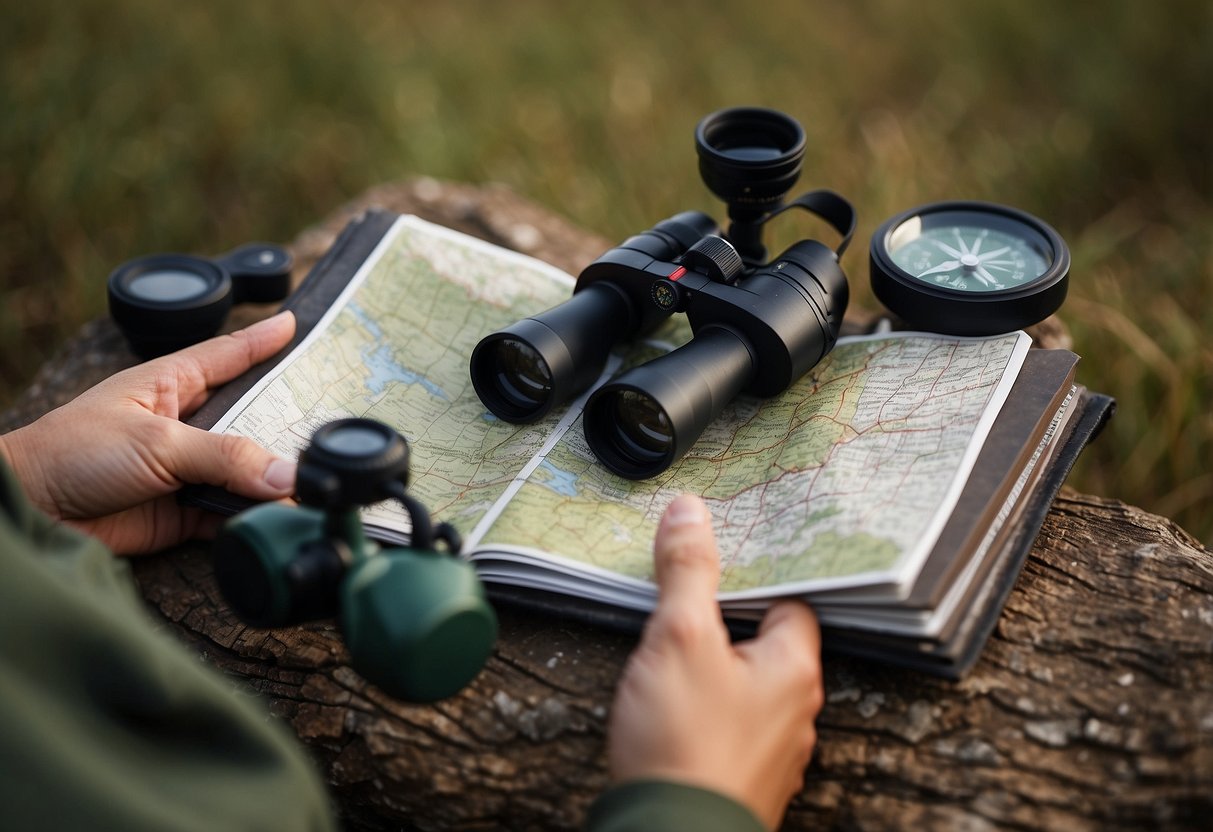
{"x": 109, "y": 461}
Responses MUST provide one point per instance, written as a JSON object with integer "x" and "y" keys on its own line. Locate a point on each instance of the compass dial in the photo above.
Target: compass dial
{"x": 967, "y": 257}
{"x": 969, "y": 268}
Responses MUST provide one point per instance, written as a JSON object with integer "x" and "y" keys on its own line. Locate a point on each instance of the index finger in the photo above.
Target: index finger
{"x": 205, "y": 366}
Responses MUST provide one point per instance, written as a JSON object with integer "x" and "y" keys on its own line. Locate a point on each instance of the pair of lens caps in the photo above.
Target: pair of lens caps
{"x": 165, "y": 302}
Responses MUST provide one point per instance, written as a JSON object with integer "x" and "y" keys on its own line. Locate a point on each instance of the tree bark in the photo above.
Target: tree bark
{"x": 1090, "y": 708}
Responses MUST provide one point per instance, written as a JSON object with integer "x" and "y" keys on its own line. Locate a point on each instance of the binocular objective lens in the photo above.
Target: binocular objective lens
{"x": 168, "y": 285}
{"x": 642, "y": 430}
{"x": 520, "y": 375}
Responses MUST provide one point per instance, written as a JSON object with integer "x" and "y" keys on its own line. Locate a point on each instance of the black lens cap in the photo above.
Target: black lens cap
{"x": 261, "y": 272}
{"x": 165, "y": 302}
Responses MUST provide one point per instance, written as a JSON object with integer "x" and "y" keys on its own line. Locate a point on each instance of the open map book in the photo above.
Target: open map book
{"x": 886, "y": 486}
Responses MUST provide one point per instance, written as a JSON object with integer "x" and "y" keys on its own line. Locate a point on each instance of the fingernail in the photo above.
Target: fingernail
{"x": 280, "y": 475}
{"x": 685, "y": 511}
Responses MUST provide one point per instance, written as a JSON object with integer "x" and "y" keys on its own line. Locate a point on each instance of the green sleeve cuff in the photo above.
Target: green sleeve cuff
{"x": 663, "y": 806}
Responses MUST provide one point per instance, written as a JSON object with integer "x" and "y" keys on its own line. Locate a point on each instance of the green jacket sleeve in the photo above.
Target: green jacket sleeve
{"x": 106, "y": 722}
{"x": 662, "y": 806}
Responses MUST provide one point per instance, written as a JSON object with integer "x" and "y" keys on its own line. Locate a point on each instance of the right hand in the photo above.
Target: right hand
{"x": 695, "y": 709}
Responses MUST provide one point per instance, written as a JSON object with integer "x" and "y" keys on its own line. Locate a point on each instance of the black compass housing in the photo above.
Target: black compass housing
{"x": 953, "y": 311}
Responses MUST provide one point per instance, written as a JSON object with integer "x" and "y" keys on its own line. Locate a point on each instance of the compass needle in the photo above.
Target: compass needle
{"x": 960, "y": 240}
{"x": 942, "y": 267}
{"x": 947, "y": 249}
{"x": 985, "y": 257}
{"x": 985, "y": 277}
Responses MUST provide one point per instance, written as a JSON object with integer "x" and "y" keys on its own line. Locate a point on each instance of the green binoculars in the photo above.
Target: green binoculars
{"x": 415, "y": 620}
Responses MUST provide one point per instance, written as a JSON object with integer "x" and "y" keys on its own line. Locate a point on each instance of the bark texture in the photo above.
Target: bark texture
{"x": 1090, "y": 708}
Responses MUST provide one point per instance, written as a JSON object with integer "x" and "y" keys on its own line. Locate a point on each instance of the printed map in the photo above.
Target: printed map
{"x": 851, "y": 472}
{"x": 397, "y": 350}
{"x": 848, "y": 472}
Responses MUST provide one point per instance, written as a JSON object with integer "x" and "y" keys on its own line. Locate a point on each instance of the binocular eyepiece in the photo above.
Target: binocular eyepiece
{"x": 415, "y": 620}
{"x": 758, "y": 326}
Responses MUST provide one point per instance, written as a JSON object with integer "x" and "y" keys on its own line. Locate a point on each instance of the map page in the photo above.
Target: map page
{"x": 845, "y": 479}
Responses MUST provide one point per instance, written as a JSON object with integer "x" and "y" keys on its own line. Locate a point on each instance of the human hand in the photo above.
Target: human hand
{"x": 108, "y": 461}
{"x": 693, "y": 708}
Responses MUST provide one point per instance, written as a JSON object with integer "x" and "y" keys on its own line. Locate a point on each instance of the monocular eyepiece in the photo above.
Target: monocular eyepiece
{"x": 352, "y": 462}
{"x": 358, "y": 438}
{"x": 750, "y": 156}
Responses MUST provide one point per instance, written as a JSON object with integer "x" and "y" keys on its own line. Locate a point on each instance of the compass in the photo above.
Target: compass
{"x": 969, "y": 268}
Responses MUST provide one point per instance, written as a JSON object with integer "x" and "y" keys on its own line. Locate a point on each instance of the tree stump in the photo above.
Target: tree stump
{"x": 1090, "y": 708}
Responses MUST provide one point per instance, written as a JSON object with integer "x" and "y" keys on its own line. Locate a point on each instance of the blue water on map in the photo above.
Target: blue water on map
{"x": 382, "y": 365}
{"x": 368, "y": 323}
{"x": 385, "y": 370}
{"x": 562, "y": 482}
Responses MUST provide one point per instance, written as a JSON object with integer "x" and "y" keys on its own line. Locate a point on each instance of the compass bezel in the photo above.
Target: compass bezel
{"x": 951, "y": 311}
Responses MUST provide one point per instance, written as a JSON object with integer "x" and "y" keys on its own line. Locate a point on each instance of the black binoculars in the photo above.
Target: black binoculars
{"x": 758, "y": 326}
{"x": 415, "y": 620}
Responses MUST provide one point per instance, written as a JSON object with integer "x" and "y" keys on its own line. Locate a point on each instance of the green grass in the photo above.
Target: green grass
{"x": 131, "y": 126}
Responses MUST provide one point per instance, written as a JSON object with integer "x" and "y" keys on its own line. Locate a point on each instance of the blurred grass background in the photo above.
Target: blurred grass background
{"x": 132, "y": 126}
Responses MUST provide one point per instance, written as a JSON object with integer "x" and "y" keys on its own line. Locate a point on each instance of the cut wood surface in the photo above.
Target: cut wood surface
{"x": 1090, "y": 708}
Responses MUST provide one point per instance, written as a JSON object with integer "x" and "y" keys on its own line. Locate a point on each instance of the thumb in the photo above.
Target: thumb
{"x": 233, "y": 462}
{"x": 685, "y": 558}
